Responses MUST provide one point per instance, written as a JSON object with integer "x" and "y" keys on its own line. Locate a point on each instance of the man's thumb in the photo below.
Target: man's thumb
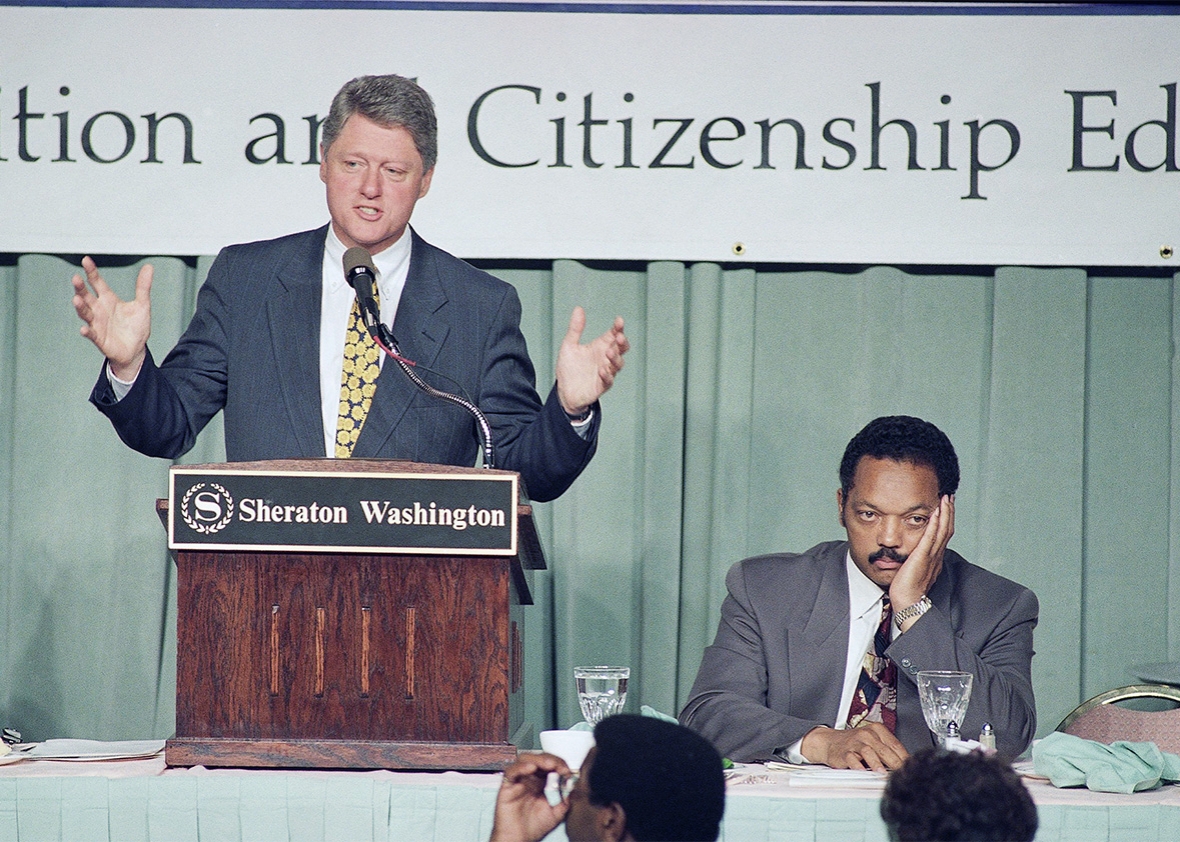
{"x": 577, "y": 325}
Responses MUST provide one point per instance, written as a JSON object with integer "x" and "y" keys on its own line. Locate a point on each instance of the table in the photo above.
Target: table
{"x": 141, "y": 800}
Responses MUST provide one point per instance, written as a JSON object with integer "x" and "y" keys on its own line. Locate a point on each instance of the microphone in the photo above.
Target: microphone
{"x": 361, "y": 275}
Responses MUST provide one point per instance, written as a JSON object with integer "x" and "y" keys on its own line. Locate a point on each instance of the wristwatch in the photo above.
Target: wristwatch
{"x": 916, "y": 610}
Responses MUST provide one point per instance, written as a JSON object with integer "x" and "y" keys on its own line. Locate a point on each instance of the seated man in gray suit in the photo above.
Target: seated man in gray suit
{"x": 816, "y": 653}
{"x": 267, "y": 342}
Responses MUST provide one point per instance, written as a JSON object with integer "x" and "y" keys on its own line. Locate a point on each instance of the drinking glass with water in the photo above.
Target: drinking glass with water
{"x": 601, "y": 690}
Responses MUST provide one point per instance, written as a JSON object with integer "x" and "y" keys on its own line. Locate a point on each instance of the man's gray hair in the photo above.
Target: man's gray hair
{"x": 388, "y": 101}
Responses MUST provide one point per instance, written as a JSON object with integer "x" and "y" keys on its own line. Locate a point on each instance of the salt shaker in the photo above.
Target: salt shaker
{"x": 987, "y": 737}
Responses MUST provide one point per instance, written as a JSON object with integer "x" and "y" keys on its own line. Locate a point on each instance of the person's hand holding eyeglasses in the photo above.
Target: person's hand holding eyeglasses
{"x": 524, "y": 809}
{"x": 562, "y": 786}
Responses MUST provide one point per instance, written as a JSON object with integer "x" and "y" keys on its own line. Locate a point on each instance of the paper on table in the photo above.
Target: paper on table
{"x": 64, "y": 749}
{"x": 815, "y": 775}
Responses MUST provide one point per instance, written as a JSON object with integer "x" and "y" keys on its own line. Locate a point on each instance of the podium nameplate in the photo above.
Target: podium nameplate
{"x": 226, "y": 508}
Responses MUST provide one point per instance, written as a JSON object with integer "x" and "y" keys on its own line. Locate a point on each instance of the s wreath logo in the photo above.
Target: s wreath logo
{"x": 209, "y": 511}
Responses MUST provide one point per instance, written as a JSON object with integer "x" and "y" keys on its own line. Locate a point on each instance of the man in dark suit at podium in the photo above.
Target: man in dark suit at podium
{"x": 267, "y": 343}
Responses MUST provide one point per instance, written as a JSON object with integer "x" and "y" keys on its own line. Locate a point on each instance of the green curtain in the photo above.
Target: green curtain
{"x": 720, "y": 440}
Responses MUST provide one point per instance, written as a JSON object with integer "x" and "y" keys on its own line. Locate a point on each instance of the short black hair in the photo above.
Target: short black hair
{"x": 945, "y": 795}
{"x": 667, "y": 779}
{"x": 903, "y": 438}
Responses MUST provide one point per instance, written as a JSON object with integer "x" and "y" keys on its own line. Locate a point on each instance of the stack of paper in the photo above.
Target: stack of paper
{"x": 75, "y": 750}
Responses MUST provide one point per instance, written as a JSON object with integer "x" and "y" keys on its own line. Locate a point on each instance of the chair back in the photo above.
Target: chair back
{"x": 1102, "y": 720}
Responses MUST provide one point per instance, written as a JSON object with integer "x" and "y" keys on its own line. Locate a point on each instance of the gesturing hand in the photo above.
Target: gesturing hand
{"x": 585, "y": 372}
{"x": 119, "y": 329}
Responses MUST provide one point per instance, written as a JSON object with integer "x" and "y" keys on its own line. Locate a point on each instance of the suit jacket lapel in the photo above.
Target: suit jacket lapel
{"x": 293, "y": 312}
{"x": 420, "y": 336}
{"x": 824, "y": 648}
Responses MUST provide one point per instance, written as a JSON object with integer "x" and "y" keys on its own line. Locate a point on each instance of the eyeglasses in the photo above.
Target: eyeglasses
{"x": 566, "y": 785}
{"x": 558, "y": 788}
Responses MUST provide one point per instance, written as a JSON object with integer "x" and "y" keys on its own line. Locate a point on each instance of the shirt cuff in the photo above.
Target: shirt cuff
{"x": 119, "y": 387}
{"x": 582, "y": 427}
{"x": 791, "y": 753}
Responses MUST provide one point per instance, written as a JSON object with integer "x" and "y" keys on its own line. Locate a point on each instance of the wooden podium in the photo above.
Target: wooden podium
{"x": 346, "y": 656}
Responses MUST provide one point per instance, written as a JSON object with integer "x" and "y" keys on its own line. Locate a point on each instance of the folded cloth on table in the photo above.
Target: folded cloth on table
{"x": 1122, "y": 766}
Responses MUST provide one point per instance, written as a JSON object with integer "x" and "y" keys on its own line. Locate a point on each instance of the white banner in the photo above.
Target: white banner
{"x": 710, "y": 132}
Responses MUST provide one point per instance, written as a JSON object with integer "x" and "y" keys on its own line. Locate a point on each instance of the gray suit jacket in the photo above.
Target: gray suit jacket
{"x": 776, "y": 668}
{"x": 252, "y": 350}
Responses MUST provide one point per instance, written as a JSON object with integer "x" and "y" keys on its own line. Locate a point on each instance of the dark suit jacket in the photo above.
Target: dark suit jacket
{"x": 252, "y": 350}
{"x": 776, "y": 667}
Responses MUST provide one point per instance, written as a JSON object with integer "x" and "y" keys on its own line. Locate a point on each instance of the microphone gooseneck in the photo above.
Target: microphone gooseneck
{"x": 361, "y": 275}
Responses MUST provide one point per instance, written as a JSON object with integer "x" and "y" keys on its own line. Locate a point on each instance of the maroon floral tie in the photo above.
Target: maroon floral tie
{"x": 875, "y": 699}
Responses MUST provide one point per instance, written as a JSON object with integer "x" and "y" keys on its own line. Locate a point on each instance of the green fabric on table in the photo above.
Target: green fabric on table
{"x": 1119, "y": 767}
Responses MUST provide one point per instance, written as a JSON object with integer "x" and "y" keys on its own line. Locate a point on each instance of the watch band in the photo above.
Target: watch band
{"x": 916, "y": 610}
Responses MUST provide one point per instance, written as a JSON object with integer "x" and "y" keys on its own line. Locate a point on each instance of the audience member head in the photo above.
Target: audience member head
{"x": 661, "y": 781}
{"x": 940, "y": 795}
{"x": 389, "y": 100}
{"x": 903, "y": 438}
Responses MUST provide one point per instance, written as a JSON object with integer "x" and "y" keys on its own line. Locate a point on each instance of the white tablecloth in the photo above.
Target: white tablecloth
{"x": 141, "y": 800}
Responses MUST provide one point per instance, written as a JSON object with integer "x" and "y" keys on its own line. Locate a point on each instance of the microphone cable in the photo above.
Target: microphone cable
{"x": 361, "y": 275}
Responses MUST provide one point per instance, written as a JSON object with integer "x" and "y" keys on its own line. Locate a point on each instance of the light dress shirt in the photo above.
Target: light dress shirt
{"x": 864, "y": 616}
{"x": 393, "y": 265}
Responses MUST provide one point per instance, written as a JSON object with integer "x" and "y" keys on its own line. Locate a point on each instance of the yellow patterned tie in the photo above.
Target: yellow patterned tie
{"x": 358, "y": 381}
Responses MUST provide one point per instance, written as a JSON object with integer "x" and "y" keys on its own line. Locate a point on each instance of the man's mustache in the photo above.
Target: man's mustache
{"x": 889, "y": 553}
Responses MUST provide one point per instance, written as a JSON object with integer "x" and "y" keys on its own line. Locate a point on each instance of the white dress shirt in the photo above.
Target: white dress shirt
{"x": 393, "y": 265}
